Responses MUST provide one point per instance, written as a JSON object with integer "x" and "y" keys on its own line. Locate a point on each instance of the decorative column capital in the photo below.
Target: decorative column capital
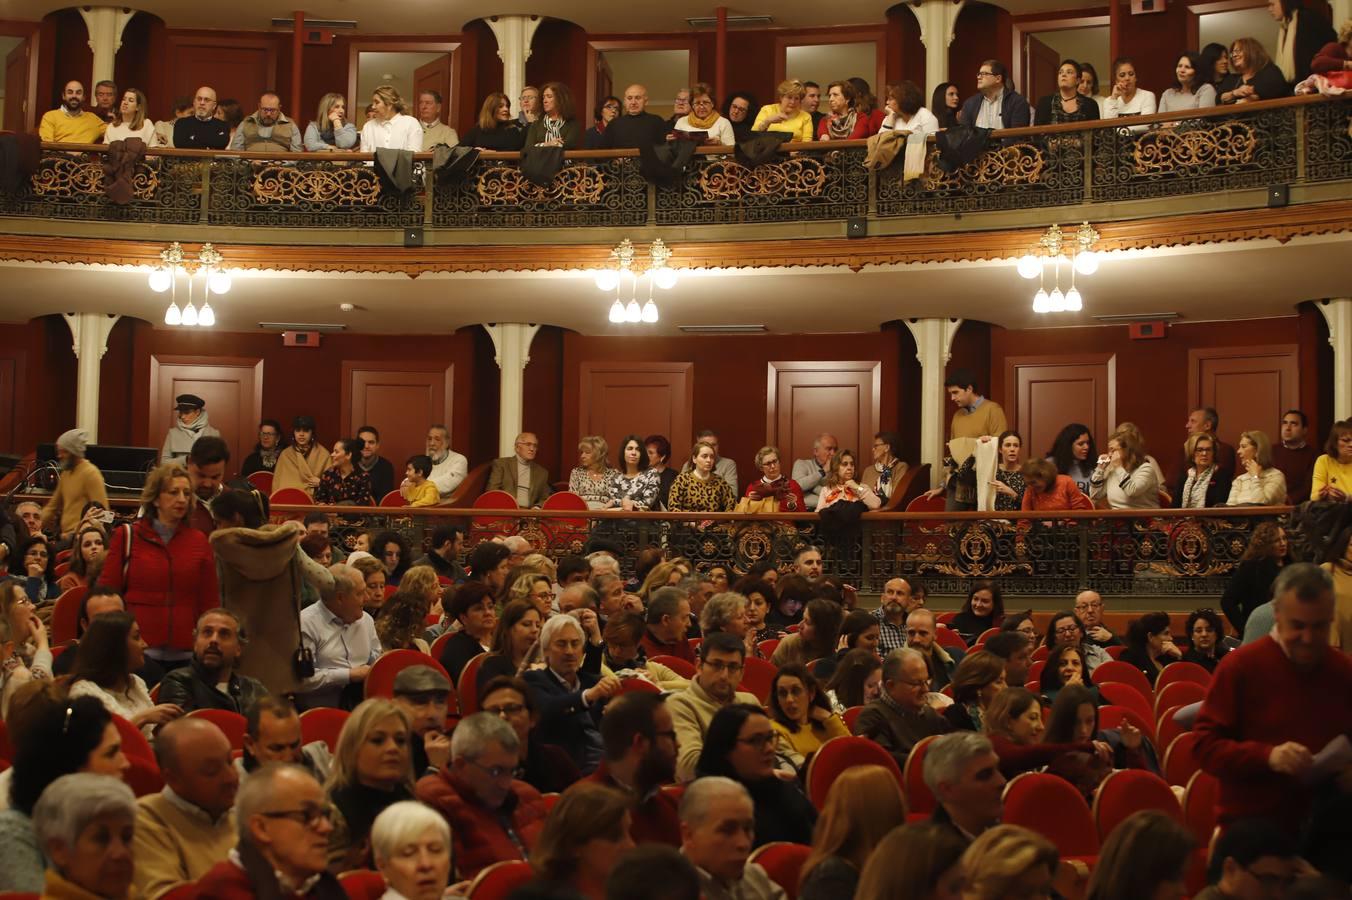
{"x": 96, "y": 328}
{"x": 511, "y": 339}
{"x": 929, "y": 331}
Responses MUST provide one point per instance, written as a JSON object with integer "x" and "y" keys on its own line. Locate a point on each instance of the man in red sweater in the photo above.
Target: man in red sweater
{"x": 1275, "y": 703}
{"x": 640, "y": 757}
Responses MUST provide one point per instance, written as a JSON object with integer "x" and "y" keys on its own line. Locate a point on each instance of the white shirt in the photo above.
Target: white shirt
{"x": 1173, "y": 99}
{"x": 399, "y": 133}
{"x": 1142, "y": 103}
{"x": 991, "y": 112}
{"x": 919, "y": 125}
{"x": 448, "y": 473}
{"x": 135, "y": 700}
{"x": 337, "y": 648}
{"x": 121, "y": 132}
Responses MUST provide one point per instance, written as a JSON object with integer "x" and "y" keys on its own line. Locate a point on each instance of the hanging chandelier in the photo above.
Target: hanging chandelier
{"x": 1051, "y": 248}
{"x": 214, "y": 281}
{"x": 658, "y": 273}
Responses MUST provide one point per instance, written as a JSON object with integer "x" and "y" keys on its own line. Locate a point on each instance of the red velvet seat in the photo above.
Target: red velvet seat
{"x": 1115, "y": 651}
{"x": 985, "y": 636}
{"x": 6, "y": 751}
{"x": 1112, "y": 716}
{"x": 1052, "y": 807}
{"x": 947, "y": 637}
{"x": 495, "y": 500}
{"x": 468, "y": 686}
{"x": 143, "y": 777}
{"x": 1119, "y": 694}
{"x": 838, "y": 755}
{"x": 231, "y": 724}
{"x": 919, "y": 799}
{"x": 393, "y": 498}
{"x": 440, "y": 643}
{"x": 1200, "y": 799}
{"x": 66, "y": 615}
{"x": 926, "y": 504}
{"x": 261, "y": 481}
{"x": 292, "y": 497}
{"x": 1182, "y": 671}
{"x": 134, "y": 743}
{"x": 638, "y": 686}
{"x": 322, "y": 724}
{"x": 1041, "y": 654}
{"x": 362, "y": 884}
{"x": 499, "y": 880}
{"x": 380, "y": 681}
{"x": 1116, "y": 671}
{"x": 1179, "y": 693}
{"x": 551, "y": 800}
{"x": 1166, "y": 728}
{"x": 783, "y": 862}
{"x": 566, "y": 501}
{"x": 850, "y": 716}
{"x": 947, "y": 618}
{"x": 768, "y": 647}
{"x": 757, "y": 676}
{"x": 681, "y": 667}
{"x": 1128, "y": 791}
{"x": 1035, "y": 670}
{"x": 1180, "y": 759}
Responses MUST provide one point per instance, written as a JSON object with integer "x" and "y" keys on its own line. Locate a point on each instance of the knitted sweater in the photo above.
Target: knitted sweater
{"x": 988, "y": 418}
{"x": 1328, "y": 471}
{"x": 691, "y": 712}
{"x": 79, "y": 485}
{"x": 175, "y": 843}
{"x": 21, "y": 861}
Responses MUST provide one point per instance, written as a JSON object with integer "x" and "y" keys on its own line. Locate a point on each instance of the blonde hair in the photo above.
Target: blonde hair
{"x": 524, "y": 584}
{"x": 1190, "y": 445}
{"x": 863, "y": 805}
{"x": 997, "y": 859}
{"x": 540, "y": 564}
{"x": 325, "y": 104}
{"x": 361, "y": 723}
{"x": 599, "y": 448}
{"x": 791, "y": 87}
{"x": 157, "y": 481}
{"x": 657, "y": 577}
{"x": 420, "y": 580}
{"x": 764, "y": 452}
{"x": 488, "y": 113}
{"x": 694, "y": 452}
{"x": 1130, "y": 444}
{"x": 390, "y": 97}
{"x": 138, "y": 120}
{"x": 1262, "y": 447}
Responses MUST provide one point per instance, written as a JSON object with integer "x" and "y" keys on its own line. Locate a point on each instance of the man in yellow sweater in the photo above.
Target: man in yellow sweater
{"x": 71, "y": 123}
{"x": 80, "y": 483}
{"x": 188, "y": 827}
{"x": 975, "y": 417}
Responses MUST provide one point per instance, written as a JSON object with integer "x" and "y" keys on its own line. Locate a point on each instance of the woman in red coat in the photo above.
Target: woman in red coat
{"x": 1046, "y": 489}
{"x": 170, "y": 578}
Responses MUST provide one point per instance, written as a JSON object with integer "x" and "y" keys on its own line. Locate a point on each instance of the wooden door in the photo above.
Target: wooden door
{"x": 643, "y": 398}
{"x": 16, "y": 88}
{"x": 1042, "y": 65}
{"x": 436, "y": 76}
{"x": 1249, "y": 387}
{"x": 236, "y": 67}
{"x": 605, "y": 79}
{"x": 1050, "y": 392}
{"x": 401, "y": 399}
{"x": 11, "y": 370}
{"x": 232, "y": 388}
{"x": 804, "y": 399}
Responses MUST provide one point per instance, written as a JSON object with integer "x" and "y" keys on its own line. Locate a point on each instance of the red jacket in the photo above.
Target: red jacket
{"x": 478, "y": 837}
{"x": 654, "y": 819}
{"x": 166, "y": 588}
{"x": 653, "y": 647}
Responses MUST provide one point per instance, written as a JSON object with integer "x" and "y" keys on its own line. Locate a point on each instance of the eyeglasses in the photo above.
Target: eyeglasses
{"x": 718, "y": 666}
{"x": 310, "y": 816}
{"x": 769, "y": 462}
{"x": 528, "y": 443}
{"x": 506, "y": 709}
{"x": 493, "y": 772}
{"x": 985, "y": 74}
{"x": 759, "y": 741}
{"x": 915, "y": 683}
{"x": 1067, "y": 629}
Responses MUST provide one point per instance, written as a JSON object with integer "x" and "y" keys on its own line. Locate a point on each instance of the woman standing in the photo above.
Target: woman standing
{"x": 1126, "y": 98}
{"x": 1253, "y": 75}
{"x": 862, "y": 807}
{"x": 1125, "y": 476}
{"x": 1067, "y": 104}
{"x": 945, "y": 103}
{"x": 1251, "y": 584}
{"x": 801, "y": 715}
{"x": 496, "y": 129}
{"x": 1204, "y": 484}
{"x": 557, "y": 125}
{"x": 330, "y": 129}
{"x": 1073, "y": 453}
{"x": 372, "y": 769}
{"x": 1009, "y": 484}
{"x": 593, "y": 479}
{"x": 106, "y": 661}
{"x": 1260, "y": 483}
{"x": 1191, "y": 88}
{"x": 343, "y": 483}
{"x": 697, "y": 488}
{"x": 131, "y": 120}
{"x": 637, "y": 485}
{"x": 1150, "y": 646}
{"x": 389, "y": 128}
{"x": 265, "y": 452}
{"x": 1301, "y": 33}
{"x": 163, "y": 567}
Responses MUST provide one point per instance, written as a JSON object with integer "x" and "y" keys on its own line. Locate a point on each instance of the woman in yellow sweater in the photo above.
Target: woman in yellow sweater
{"x": 1333, "y": 470}
{"x": 788, "y": 114}
{"x": 801, "y": 715}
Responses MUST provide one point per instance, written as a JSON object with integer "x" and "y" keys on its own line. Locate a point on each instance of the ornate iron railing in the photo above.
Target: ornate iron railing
{"x": 1202, "y": 152}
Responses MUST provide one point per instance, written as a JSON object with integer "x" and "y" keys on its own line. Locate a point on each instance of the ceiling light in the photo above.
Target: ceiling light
{"x": 206, "y": 318}
{"x": 160, "y": 280}
{"x": 650, "y": 312}
{"x": 712, "y": 21}
{"x": 624, "y": 261}
{"x": 173, "y": 315}
{"x": 190, "y": 314}
{"x": 617, "y": 312}
{"x": 1051, "y": 247}
{"x": 208, "y": 263}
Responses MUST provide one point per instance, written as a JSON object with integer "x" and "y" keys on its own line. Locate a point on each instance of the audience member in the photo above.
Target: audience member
{"x": 1073, "y": 454}
{"x": 284, "y": 823}
{"x": 529, "y": 103}
{"x": 1250, "y": 586}
{"x": 801, "y": 715}
{"x": 741, "y": 110}
{"x": 71, "y": 123}
{"x": 975, "y": 416}
{"x": 945, "y": 103}
{"x": 186, "y": 828}
{"x": 1008, "y": 486}
{"x": 817, "y": 638}
{"x": 1009, "y": 861}
{"x": 424, "y": 695}
{"x": 605, "y": 112}
{"x": 583, "y": 836}
{"x": 570, "y": 701}
{"x": 190, "y": 423}
{"x": 984, "y": 609}
{"x": 1332, "y": 477}
{"x": 105, "y": 668}
{"x": 389, "y": 127}
{"x": 858, "y": 680}
{"x": 129, "y": 120}
{"x": 668, "y": 615}
{"x": 1249, "y": 859}
{"x": 546, "y": 767}
{"x": 1075, "y": 718}
{"x": 164, "y": 129}
{"x": 625, "y": 656}
{"x": 1126, "y": 99}
{"x": 772, "y": 485}
{"x": 1149, "y": 645}
{"x": 843, "y": 123}
{"x": 920, "y": 860}
{"x": 1065, "y": 666}
{"x": 557, "y": 125}
{"x": 23, "y": 639}
{"x": 635, "y": 127}
{"x": 84, "y": 826}
{"x": 411, "y": 847}
{"x": 265, "y": 452}
{"x": 724, "y": 466}
{"x": 659, "y": 453}
{"x": 1301, "y": 32}
{"x": 1206, "y": 635}
{"x": 106, "y": 100}
{"x": 640, "y": 757}
{"x": 653, "y": 872}
{"x": 994, "y": 105}
{"x": 901, "y": 716}
{"x": 636, "y": 486}
{"x": 1253, "y": 74}
{"x": 921, "y": 636}
{"x": 202, "y": 130}
{"x": 1125, "y": 477}
{"x": 300, "y": 464}
{"x": 718, "y": 828}
{"x": 704, "y": 117}
{"x": 1089, "y": 612}
{"x": 342, "y": 643}
{"x": 896, "y": 604}
{"x": 1260, "y": 483}
{"x": 39, "y": 570}
{"x": 1192, "y": 85}
{"x": 1146, "y": 855}
{"x": 907, "y": 114}
{"x": 714, "y": 687}
{"x": 1016, "y": 649}
{"x": 448, "y": 542}
{"x": 514, "y": 642}
{"x": 862, "y": 807}
{"x": 330, "y": 129}
{"x": 809, "y": 473}
{"x": 1045, "y": 489}
{"x": 492, "y": 816}
{"x": 976, "y": 682}
{"x": 1295, "y": 458}
{"x": 1215, "y": 64}
{"x": 392, "y": 550}
{"x": 273, "y": 735}
{"x": 962, "y": 770}
{"x": 593, "y": 479}
{"x": 520, "y": 475}
{"x": 372, "y": 769}
{"x": 489, "y": 562}
{"x": 268, "y": 129}
{"x": 1015, "y": 726}
{"x": 788, "y": 114}
{"x": 496, "y": 128}
{"x": 1203, "y": 483}
{"x": 210, "y": 680}
{"x": 435, "y": 131}
{"x": 1067, "y": 104}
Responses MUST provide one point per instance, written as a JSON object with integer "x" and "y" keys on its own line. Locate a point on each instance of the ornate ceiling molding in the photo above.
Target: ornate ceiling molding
{"x": 1280, "y": 224}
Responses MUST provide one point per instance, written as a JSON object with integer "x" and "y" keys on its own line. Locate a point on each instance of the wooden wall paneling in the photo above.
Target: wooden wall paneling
{"x": 804, "y": 399}
{"x": 656, "y": 42}
{"x": 231, "y": 386}
{"x": 1050, "y": 392}
{"x": 11, "y": 373}
{"x": 1249, "y": 387}
{"x": 238, "y": 67}
{"x": 621, "y": 398}
{"x": 401, "y": 399}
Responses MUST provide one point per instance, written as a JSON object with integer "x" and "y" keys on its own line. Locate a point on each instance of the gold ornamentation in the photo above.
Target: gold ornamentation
{"x": 62, "y": 177}
{"x": 1015, "y": 164}
{"x": 797, "y": 176}
{"x": 346, "y": 186}
{"x": 506, "y": 186}
{"x": 1168, "y": 151}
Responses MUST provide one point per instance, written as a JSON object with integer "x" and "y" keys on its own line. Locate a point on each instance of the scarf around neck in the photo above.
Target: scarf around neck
{"x": 702, "y": 124}
{"x": 841, "y": 127}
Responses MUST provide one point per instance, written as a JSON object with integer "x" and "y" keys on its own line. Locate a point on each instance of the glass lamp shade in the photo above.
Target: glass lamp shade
{"x": 160, "y": 280}
{"x": 1056, "y": 302}
{"x": 617, "y": 312}
{"x": 632, "y": 313}
{"x": 650, "y": 312}
{"x": 1086, "y": 263}
{"x": 1029, "y": 267}
{"x": 607, "y": 279}
{"x": 206, "y": 318}
{"x": 219, "y": 282}
{"x": 1074, "y": 303}
{"x": 190, "y": 315}
{"x": 665, "y": 278}
{"x": 1040, "y": 302}
{"x": 173, "y": 315}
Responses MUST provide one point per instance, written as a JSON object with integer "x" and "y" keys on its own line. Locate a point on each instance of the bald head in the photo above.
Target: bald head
{"x": 195, "y": 758}
{"x": 635, "y": 99}
{"x": 204, "y": 103}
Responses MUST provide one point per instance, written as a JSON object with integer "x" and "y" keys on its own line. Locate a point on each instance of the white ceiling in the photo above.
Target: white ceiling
{"x": 1209, "y": 282}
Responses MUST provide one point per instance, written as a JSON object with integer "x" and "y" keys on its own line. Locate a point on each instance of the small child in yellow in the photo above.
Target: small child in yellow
{"x": 416, "y": 489}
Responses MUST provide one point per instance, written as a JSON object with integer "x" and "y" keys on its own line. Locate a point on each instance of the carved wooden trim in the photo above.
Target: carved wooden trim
{"x": 1280, "y": 224}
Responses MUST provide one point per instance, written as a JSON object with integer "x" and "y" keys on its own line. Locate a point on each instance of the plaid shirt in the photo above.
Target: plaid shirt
{"x": 890, "y": 636}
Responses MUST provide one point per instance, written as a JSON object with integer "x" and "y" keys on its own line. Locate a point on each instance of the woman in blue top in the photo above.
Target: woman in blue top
{"x": 330, "y": 130}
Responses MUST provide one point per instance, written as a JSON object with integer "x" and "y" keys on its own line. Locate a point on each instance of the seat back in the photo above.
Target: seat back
{"x": 1178, "y": 693}
{"x": 380, "y": 680}
{"x": 947, "y": 637}
{"x": 850, "y": 716}
{"x": 292, "y": 497}
{"x": 1182, "y": 671}
{"x": 1035, "y": 670}
{"x": 985, "y": 636}
{"x": 638, "y": 686}
{"x": 322, "y": 724}
{"x": 1180, "y": 759}
{"x": 1115, "y": 651}
{"x": 66, "y": 615}
{"x": 1166, "y": 728}
{"x": 231, "y": 724}
{"x": 783, "y": 862}
{"x": 1200, "y": 799}
{"x": 1128, "y": 791}
{"x": 362, "y": 884}
{"x": 1119, "y": 694}
{"x": 681, "y": 667}
{"x": 261, "y": 481}
{"x": 837, "y": 755}
{"x": 1041, "y": 654}
{"x": 925, "y": 504}
{"x": 468, "y": 687}
{"x": 919, "y": 798}
{"x": 1112, "y": 716}
{"x": 470, "y": 488}
{"x": 393, "y": 498}
{"x": 143, "y": 777}
{"x": 1052, "y": 807}
{"x": 495, "y": 500}
{"x": 499, "y": 880}
{"x": 768, "y": 647}
{"x": 1114, "y": 670}
{"x": 757, "y": 676}
{"x": 439, "y": 644}
{"x": 134, "y": 743}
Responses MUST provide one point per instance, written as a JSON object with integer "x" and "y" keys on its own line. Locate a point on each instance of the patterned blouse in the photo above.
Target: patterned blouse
{"x": 643, "y": 488}
{"x": 602, "y": 493}
{"x": 1014, "y": 480}
{"x": 690, "y": 494}
{"x": 354, "y": 490}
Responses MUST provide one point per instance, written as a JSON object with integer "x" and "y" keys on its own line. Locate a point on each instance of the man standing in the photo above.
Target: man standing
{"x": 1089, "y": 609}
{"x": 896, "y": 604}
{"x": 940, "y": 661}
{"x": 80, "y": 484}
{"x": 1277, "y": 702}
{"x": 668, "y": 619}
{"x": 71, "y": 123}
{"x": 379, "y": 469}
{"x": 105, "y": 101}
{"x": 718, "y": 828}
{"x": 267, "y": 129}
{"x": 435, "y": 131}
{"x": 272, "y": 734}
{"x": 640, "y": 745}
{"x": 975, "y": 417}
{"x": 341, "y": 638}
{"x": 1205, "y": 420}
{"x": 202, "y": 130}
{"x": 448, "y": 467}
{"x": 425, "y": 694}
{"x": 190, "y": 423}
{"x": 1294, "y": 457}
{"x": 901, "y": 717}
{"x": 210, "y": 680}
{"x": 963, "y": 773}
{"x": 519, "y": 474}
{"x": 448, "y": 542}
{"x": 722, "y": 659}
{"x": 810, "y": 472}
{"x": 995, "y": 104}
{"x": 206, "y": 470}
{"x": 723, "y": 467}
{"x": 636, "y": 128}
{"x": 187, "y": 827}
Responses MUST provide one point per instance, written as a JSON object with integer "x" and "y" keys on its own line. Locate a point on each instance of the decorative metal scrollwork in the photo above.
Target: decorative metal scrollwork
{"x": 67, "y": 178}
{"x": 501, "y": 185}
{"x": 1184, "y": 152}
{"x": 1011, "y": 165}
{"x": 798, "y": 176}
{"x": 349, "y": 186}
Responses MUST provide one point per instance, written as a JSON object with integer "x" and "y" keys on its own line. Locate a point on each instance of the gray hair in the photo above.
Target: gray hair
{"x": 585, "y": 593}
{"x": 702, "y": 791}
{"x": 720, "y": 610}
{"x": 949, "y": 754}
{"x": 896, "y": 661}
{"x": 1305, "y": 581}
{"x": 341, "y": 572}
{"x": 71, "y": 802}
{"x": 474, "y": 733}
{"x": 688, "y": 587}
{"x": 551, "y": 630}
{"x": 604, "y": 561}
{"x": 517, "y": 544}
{"x": 600, "y": 582}
{"x": 256, "y": 791}
{"x": 402, "y": 822}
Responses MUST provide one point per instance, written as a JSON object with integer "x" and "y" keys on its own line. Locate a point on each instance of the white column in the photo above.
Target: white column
{"x": 1338, "y": 313}
{"x": 933, "y": 343}
{"x": 936, "y": 18}
{"x": 514, "y": 34}
{"x": 511, "y": 341}
{"x": 105, "y": 24}
{"x": 90, "y": 333}
{"x": 1342, "y": 11}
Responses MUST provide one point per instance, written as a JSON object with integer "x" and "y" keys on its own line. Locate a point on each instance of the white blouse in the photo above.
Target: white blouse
{"x": 1142, "y": 103}
{"x": 917, "y": 126}
{"x": 1174, "y": 99}
{"x": 720, "y": 132}
{"x": 121, "y": 132}
{"x": 399, "y": 133}
{"x": 128, "y": 704}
